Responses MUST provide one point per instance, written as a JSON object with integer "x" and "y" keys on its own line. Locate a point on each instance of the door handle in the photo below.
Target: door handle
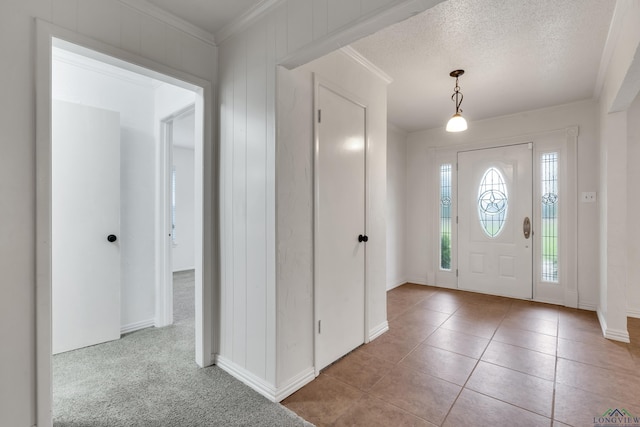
{"x": 526, "y": 227}
{"x": 363, "y": 238}
{"x": 112, "y": 238}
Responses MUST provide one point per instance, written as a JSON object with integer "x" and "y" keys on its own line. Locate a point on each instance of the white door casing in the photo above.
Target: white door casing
{"x": 339, "y": 221}
{"x": 499, "y": 264}
{"x": 85, "y": 211}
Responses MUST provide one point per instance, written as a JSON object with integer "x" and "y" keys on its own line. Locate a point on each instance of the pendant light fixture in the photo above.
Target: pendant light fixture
{"x": 457, "y": 123}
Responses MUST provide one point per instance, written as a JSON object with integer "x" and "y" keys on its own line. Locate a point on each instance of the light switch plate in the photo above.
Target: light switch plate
{"x": 589, "y": 197}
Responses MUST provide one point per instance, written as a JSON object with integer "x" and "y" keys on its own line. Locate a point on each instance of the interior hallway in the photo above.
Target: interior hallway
{"x": 149, "y": 378}
{"x": 458, "y": 358}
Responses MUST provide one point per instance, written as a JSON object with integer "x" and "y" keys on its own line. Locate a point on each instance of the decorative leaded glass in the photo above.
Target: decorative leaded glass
{"x": 493, "y": 202}
{"x": 549, "y": 209}
{"x": 445, "y": 216}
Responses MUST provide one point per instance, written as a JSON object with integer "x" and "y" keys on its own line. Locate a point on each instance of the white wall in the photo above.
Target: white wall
{"x": 396, "y": 205}
{"x": 420, "y": 146}
{"x": 294, "y": 33}
{"x": 108, "y": 21}
{"x": 633, "y": 207}
{"x": 183, "y": 248}
{"x": 621, "y": 84}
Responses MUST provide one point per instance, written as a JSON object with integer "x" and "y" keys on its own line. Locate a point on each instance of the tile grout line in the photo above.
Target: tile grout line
{"x": 464, "y": 386}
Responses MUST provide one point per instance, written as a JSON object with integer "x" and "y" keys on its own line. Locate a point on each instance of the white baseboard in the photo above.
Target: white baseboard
{"x": 180, "y": 270}
{"x": 258, "y": 384}
{"x": 378, "y": 330}
{"x": 612, "y": 334}
{"x": 633, "y": 312}
{"x": 417, "y": 281}
{"x": 588, "y": 306}
{"x": 274, "y": 394}
{"x": 395, "y": 284}
{"x": 618, "y": 335}
{"x": 295, "y": 383}
{"x": 136, "y": 326}
{"x": 571, "y": 299}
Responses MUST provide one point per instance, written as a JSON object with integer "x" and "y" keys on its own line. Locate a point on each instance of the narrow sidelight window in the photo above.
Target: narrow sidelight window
{"x": 549, "y": 191}
{"x": 445, "y": 217}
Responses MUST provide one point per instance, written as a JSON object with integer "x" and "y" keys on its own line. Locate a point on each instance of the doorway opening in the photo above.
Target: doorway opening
{"x": 136, "y": 100}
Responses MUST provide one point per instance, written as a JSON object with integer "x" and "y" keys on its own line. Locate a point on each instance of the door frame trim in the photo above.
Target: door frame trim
{"x": 317, "y": 82}
{"x": 567, "y": 139}
{"x": 164, "y": 284}
{"x": 207, "y": 282}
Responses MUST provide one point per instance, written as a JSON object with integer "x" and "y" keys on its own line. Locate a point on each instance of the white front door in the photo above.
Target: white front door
{"x": 85, "y": 212}
{"x": 495, "y": 223}
{"x": 340, "y": 220}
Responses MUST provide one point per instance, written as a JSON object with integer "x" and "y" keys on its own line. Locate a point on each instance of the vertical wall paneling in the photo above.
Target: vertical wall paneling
{"x": 226, "y": 108}
{"x": 256, "y": 150}
{"x": 282, "y": 30}
{"x": 152, "y": 38}
{"x": 65, "y": 13}
{"x": 299, "y": 20}
{"x": 320, "y": 18}
{"x": 173, "y": 46}
{"x": 368, "y": 6}
{"x": 264, "y": 316}
{"x": 342, "y": 12}
{"x": 100, "y": 20}
{"x": 239, "y": 195}
{"x": 130, "y": 29}
{"x": 270, "y": 216}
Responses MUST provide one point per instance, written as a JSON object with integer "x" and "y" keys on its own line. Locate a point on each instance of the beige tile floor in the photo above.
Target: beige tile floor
{"x": 455, "y": 358}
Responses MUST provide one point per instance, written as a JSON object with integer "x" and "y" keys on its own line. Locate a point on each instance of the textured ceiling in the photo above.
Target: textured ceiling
{"x": 518, "y": 55}
{"x": 210, "y": 15}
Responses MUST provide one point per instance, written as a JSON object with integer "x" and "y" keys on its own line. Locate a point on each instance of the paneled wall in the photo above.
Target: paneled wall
{"x": 247, "y": 120}
{"x": 296, "y": 32}
{"x": 111, "y": 22}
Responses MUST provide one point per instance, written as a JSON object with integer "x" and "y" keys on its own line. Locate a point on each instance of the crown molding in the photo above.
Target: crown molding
{"x": 246, "y": 19}
{"x": 360, "y": 59}
{"x": 154, "y": 11}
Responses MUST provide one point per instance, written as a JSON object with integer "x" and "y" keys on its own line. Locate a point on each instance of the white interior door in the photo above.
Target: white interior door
{"x": 85, "y": 211}
{"x": 340, "y": 220}
{"x": 494, "y": 206}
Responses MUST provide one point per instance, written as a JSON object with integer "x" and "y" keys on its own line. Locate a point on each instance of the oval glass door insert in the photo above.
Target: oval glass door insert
{"x": 493, "y": 202}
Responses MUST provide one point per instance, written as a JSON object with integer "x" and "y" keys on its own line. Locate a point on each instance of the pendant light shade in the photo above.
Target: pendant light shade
{"x": 457, "y": 123}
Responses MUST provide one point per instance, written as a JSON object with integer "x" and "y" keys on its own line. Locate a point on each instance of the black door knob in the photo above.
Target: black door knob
{"x": 112, "y": 238}
{"x": 363, "y": 238}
